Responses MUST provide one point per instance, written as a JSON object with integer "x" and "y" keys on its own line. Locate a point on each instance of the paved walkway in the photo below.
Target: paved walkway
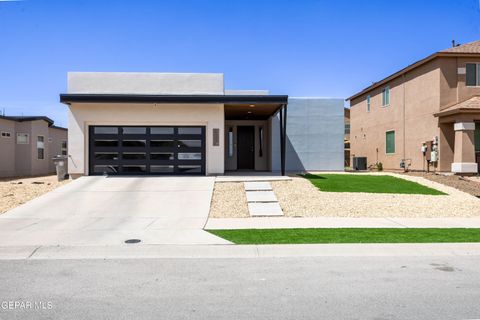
{"x": 109, "y": 210}
{"x": 325, "y": 222}
{"x": 261, "y": 199}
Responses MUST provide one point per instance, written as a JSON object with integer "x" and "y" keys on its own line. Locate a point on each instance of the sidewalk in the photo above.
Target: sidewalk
{"x": 238, "y": 251}
{"x": 327, "y": 222}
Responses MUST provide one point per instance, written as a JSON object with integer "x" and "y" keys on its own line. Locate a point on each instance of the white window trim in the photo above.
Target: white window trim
{"x": 478, "y": 69}
{"x": 6, "y": 137}
{"x": 395, "y": 142}
{"x": 64, "y": 149}
{"x": 22, "y": 133}
{"x": 41, "y": 148}
{"x": 383, "y": 90}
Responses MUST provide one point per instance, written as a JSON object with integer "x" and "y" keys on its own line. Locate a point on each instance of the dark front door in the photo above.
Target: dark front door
{"x": 147, "y": 150}
{"x": 246, "y": 147}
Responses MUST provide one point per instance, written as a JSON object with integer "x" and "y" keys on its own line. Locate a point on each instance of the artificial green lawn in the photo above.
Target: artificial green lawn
{"x": 348, "y": 235}
{"x": 367, "y": 183}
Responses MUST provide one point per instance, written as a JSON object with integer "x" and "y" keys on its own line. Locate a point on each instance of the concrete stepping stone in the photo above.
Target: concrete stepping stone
{"x": 261, "y": 196}
{"x": 257, "y": 186}
{"x": 265, "y": 209}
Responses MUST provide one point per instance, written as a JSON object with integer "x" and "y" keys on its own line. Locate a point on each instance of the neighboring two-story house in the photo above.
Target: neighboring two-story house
{"x": 27, "y": 145}
{"x": 434, "y": 102}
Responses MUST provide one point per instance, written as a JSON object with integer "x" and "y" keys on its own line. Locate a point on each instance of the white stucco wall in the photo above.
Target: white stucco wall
{"x": 145, "y": 83}
{"x": 81, "y": 115}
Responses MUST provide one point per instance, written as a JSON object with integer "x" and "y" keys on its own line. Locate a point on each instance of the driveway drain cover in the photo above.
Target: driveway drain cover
{"x": 133, "y": 241}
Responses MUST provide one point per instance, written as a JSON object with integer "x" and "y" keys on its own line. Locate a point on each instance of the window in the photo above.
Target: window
{"x": 368, "y": 103}
{"x": 390, "y": 142}
{"x": 161, "y": 130}
{"x": 189, "y": 130}
{"x": 230, "y": 142}
{"x": 134, "y": 130}
{"x": 106, "y": 143}
{"x": 40, "y": 147}
{"x": 64, "y": 148}
{"x": 189, "y": 156}
{"x": 190, "y": 143}
{"x": 347, "y": 128}
{"x": 473, "y": 75}
{"x": 6, "y": 134}
{"x": 477, "y": 137}
{"x": 134, "y": 156}
{"x": 386, "y": 96}
{"x": 134, "y": 143}
{"x": 106, "y": 130}
{"x": 260, "y": 136}
{"x": 22, "y": 138}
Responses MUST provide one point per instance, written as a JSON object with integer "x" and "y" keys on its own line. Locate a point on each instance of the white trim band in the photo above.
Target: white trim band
{"x": 465, "y": 167}
{"x": 464, "y": 126}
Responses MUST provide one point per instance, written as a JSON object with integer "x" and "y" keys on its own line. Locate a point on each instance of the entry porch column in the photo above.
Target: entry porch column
{"x": 464, "y": 152}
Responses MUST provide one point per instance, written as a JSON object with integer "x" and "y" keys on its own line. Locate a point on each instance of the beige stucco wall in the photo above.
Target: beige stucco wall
{"x": 81, "y": 115}
{"x": 21, "y": 159}
{"x": 23, "y": 152}
{"x": 452, "y": 85}
{"x": 413, "y": 100}
{"x": 39, "y": 166}
{"x": 55, "y": 146}
{"x": 415, "y": 97}
{"x": 261, "y": 163}
{"x": 7, "y": 148}
{"x": 145, "y": 83}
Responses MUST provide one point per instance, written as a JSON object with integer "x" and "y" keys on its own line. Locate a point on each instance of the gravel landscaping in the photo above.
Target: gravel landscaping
{"x": 16, "y": 191}
{"x": 229, "y": 201}
{"x": 301, "y": 198}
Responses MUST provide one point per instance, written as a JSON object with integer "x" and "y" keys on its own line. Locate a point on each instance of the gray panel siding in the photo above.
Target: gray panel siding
{"x": 315, "y": 132}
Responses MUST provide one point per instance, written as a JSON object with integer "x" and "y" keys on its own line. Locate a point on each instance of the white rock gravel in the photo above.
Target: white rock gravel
{"x": 299, "y": 197}
{"x": 229, "y": 201}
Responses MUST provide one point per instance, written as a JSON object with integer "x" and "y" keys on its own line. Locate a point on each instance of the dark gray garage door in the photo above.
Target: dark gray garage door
{"x": 146, "y": 150}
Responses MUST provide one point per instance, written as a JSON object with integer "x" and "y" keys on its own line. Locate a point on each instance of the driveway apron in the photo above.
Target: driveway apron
{"x": 109, "y": 210}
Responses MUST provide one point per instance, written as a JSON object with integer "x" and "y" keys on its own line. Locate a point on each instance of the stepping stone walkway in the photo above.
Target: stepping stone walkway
{"x": 261, "y": 200}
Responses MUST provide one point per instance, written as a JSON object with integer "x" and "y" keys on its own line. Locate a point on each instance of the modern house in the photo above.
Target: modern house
{"x": 180, "y": 123}
{"x": 28, "y": 144}
{"x": 426, "y": 113}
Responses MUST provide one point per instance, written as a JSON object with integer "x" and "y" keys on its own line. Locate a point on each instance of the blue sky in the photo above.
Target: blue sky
{"x": 299, "y": 48}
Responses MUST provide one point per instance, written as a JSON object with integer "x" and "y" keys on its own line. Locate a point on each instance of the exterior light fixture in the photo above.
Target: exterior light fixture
{"x": 252, "y": 105}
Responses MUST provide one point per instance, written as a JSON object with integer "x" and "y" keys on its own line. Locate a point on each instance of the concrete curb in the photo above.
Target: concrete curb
{"x": 238, "y": 251}
{"x": 339, "y": 222}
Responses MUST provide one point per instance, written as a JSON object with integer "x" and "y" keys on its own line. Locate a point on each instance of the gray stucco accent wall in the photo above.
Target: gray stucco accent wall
{"x": 315, "y": 134}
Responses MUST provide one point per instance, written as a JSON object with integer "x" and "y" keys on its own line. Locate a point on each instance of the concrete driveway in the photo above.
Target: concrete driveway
{"x": 109, "y": 210}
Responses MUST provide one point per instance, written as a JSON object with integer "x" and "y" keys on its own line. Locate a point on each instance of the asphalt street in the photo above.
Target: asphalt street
{"x": 446, "y": 287}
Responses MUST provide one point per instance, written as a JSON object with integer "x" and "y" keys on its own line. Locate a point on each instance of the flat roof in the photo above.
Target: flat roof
{"x": 68, "y": 98}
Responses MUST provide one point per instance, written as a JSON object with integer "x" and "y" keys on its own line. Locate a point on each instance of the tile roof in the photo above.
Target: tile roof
{"x": 471, "y": 47}
{"x": 469, "y": 105}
